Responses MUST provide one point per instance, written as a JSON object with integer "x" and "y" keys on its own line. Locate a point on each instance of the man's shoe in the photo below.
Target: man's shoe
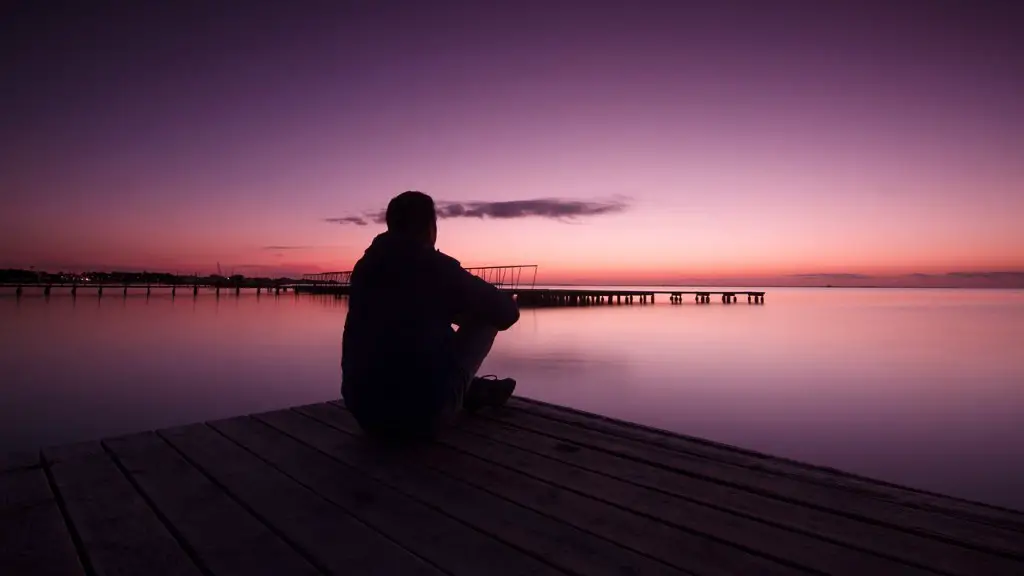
{"x": 488, "y": 391}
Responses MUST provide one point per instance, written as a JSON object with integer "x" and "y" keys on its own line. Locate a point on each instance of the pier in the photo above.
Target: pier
{"x": 538, "y": 297}
{"x": 553, "y": 297}
{"x": 124, "y": 289}
{"x": 520, "y": 282}
{"x": 531, "y": 488}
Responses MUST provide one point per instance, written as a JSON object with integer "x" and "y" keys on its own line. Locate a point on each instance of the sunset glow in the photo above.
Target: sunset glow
{"x": 747, "y": 141}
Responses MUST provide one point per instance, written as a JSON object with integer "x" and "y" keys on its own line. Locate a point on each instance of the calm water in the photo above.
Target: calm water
{"x": 920, "y": 387}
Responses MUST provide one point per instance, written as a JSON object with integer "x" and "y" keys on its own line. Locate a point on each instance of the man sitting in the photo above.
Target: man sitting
{"x": 405, "y": 371}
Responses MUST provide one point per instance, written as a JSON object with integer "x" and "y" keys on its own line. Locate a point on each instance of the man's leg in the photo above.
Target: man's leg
{"x": 472, "y": 344}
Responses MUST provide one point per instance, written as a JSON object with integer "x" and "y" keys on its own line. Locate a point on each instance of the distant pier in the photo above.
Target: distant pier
{"x": 540, "y": 297}
{"x": 97, "y": 288}
{"x": 518, "y": 280}
{"x": 511, "y": 279}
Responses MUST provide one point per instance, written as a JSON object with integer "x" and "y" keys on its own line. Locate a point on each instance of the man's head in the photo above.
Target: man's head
{"x": 411, "y": 215}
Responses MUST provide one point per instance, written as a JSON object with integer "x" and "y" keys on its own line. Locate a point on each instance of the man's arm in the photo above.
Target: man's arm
{"x": 477, "y": 300}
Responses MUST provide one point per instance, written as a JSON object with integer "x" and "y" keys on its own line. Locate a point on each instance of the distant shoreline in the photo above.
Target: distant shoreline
{"x": 755, "y": 286}
{"x": 14, "y": 285}
{"x": 994, "y": 280}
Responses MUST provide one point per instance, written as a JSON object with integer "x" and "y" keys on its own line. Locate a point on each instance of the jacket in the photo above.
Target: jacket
{"x": 397, "y": 352}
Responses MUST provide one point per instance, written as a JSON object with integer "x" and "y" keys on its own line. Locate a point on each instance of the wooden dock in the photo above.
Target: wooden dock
{"x": 528, "y": 489}
{"x": 525, "y": 297}
{"x": 535, "y": 297}
{"x": 510, "y": 280}
{"x": 554, "y": 297}
{"x": 97, "y": 288}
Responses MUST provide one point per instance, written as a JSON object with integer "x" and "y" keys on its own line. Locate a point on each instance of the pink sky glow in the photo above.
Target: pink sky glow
{"x": 745, "y": 143}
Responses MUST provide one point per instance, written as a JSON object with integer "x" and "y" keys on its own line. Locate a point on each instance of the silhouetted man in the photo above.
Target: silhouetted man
{"x": 405, "y": 371}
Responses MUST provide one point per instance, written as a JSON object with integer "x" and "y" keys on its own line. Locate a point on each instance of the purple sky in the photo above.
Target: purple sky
{"x": 734, "y": 139}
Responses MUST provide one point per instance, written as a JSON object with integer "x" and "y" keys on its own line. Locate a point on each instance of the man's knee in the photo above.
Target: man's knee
{"x": 472, "y": 344}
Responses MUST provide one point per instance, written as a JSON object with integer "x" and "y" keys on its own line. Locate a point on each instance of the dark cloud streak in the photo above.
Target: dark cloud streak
{"x": 1012, "y": 276}
{"x": 358, "y": 221}
{"x": 542, "y": 207}
{"x": 552, "y": 208}
{"x": 825, "y": 276}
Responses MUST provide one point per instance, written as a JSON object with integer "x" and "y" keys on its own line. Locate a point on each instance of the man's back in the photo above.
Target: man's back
{"x": 397, "y": 346}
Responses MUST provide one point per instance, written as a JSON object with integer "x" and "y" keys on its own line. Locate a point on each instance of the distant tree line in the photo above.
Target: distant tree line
{"x": 14, "y": 276}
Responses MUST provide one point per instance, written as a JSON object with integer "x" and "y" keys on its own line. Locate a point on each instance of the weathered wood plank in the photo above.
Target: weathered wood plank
{"x": 34, "y": 538}
{"x": 334, "y": 541}
{"x": 19, "y": 460}
{"x": 955, "y": 507}
{"x": 558, "y": 543}
{"x": 845, "y": 532}
{"x": 222, "y": 535}
{"x": 450, "y": 545}
{"x": 22, "y": 488}
{"x": 71, "y": 452}
{"x": 528, "y": 455}
{"x": 118, "y": 530}
{"x": 685, "y": 550}
{"x": 531, "y": 489}
{"x": 895, "y": 518}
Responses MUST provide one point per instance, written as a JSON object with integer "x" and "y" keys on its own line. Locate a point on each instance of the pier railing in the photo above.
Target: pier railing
{"x": 505, "y": 277}
{"x": 508, "y": 277}
{"x": 341, "y": 278}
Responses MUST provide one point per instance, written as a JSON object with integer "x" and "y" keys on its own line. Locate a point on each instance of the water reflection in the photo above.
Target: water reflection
{"x": 915, "y": 386}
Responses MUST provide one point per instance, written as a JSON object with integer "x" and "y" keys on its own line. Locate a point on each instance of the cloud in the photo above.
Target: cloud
{"x": 1006, "y": 276}
{"x": 838, "y": 276}
{"x": 286, "y": 247}
{"x": 553, "y": 208}
{"x": 237, "y": 267}
{"x": 957, "y": 279}
{"x": 357, "y": 220}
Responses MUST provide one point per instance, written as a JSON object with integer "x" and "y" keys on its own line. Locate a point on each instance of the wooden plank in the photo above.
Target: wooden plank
{"x": 684, "y": 550}
{"x": 23, "y": 488}
{"x": 333, "y": 540}
{"x": 119, "y": 532}
{"x": 828, "y": 476}
{"x": 744, "y": 532}
{"x": 895, "y": 518}
{"x": 35, "y": 541}
{"x": 72, "y": 452}
{"x": 428, "y": 533}
{"x": 959, "y": 508}
{"x": 555, "y": 542}
{"x": 837, "y": 529}
{"x": 33, "y": 536}
{"x": 19, "y": 460}
{"x": 223, "y": 536}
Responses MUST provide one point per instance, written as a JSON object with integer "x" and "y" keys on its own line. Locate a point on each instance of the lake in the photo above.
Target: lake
{"x": 919, "y": 387}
